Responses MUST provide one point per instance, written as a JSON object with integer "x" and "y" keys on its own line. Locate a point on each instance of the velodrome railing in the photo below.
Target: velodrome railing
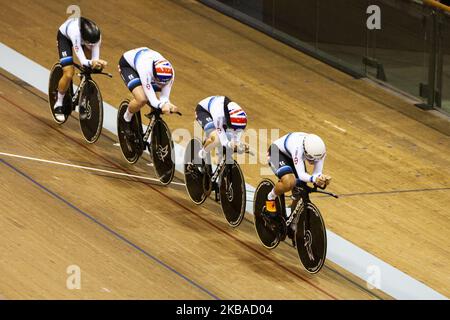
{"x": 403, "y": 43}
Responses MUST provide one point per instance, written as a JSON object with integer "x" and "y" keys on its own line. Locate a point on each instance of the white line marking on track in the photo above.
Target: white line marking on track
{"x": 83, "y": 167}
{"x": 335, "y": 126}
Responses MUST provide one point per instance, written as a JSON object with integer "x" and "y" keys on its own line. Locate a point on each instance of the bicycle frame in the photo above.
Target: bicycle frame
{"x": 218, "y": 171}
{"x": 220, "y": 167}
{"x": 85, "y": 75}
{"x": 303, "y": 201}
{"x": 152, "y": 116}
{"x": 77, "y": 92}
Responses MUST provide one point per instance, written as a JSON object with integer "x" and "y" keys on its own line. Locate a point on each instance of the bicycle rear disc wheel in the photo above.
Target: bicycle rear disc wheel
{"x": 162, "y": 152}
{"x": 268, "y": 231}
{"x": 195, "y": 175}
{"x": 55, "y": 75}
{"x": 311, "y": 239}
{"x": 91, "y": 119}
{"x": 232, "y": 194}
{"x": 130, "y": 145}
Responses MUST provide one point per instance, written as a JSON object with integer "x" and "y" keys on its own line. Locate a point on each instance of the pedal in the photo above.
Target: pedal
{"x": 268, "y": 215}
{"x": 269, "y": 219}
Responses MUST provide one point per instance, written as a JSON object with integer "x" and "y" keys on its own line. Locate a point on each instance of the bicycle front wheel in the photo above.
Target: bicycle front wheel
{"x": 311, "y": 239}
{"x": 196, "y": 177}
{"x": 162, "y": 152}
{"x": 233, "y": 194}
{"x": 91, "y": 111}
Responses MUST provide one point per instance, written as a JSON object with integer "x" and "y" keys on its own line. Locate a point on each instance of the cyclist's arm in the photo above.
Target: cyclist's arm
{"x": 96, "y": 51}
{"x": 146, "y": 80}
{"x": 218, "y": 123}
{"x": 300, "y": 168}
{"x": 302, "y": 174}
{"x": 318, "y": 167}
{"x": 74, "y": 34}
{"x": 236, "y": 138}
{"x": 165, "y": 91}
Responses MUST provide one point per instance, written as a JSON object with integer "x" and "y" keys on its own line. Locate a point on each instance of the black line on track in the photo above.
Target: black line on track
{"x": 109, "y": 230}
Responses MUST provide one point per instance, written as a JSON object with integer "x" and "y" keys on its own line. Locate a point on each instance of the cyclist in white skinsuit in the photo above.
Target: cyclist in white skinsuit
{"x": 83, "y": 36}
{"x": 71, "y": 30}
{"x": 146, "y": 72}
{"x": 223, "y": 121}
{"x": 287, "y": 157}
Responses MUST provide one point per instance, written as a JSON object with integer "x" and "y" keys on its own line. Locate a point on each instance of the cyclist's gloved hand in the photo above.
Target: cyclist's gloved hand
{"x": 327, "y": 180}
{"x": 169, "y": 108}
{"x": 238, "y": 147}
{"x": 99, "y": 64}
{"x": 232, "y": 145}
{"x": 323, "y": 180}
{"x": 242, "y": 148}
{"x": 173, "y": 108}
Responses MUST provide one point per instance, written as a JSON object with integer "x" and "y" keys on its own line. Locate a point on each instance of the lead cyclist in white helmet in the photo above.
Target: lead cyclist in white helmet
{"x": 287, "y": 156}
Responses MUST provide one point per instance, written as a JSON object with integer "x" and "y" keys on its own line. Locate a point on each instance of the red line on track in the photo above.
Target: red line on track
{"x": 176, "y": 202}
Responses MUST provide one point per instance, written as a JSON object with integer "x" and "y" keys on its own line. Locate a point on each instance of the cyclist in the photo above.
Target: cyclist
{"x": 146, "y": 72}
{"x": 84, "y": 36}
{"x": 223, "y": 121}
{"x": 287, "y": 156}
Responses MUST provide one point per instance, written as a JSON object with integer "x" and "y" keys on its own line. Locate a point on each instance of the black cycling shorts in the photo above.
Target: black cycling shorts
{"x": 204, "y": 118}
{"x": 64, "y": 49}
{"x": 131, "y": 77}
{"x": 128, "y": 74}
{"x": 280, "y": 163}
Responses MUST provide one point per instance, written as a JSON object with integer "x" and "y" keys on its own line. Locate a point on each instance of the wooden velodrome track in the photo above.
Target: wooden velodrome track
{"x": 135, "y": 239}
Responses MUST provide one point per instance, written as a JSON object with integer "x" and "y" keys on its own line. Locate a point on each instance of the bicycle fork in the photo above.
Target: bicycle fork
{"x": 146, "y": 136}
{"x": 75, "y": 99}
{"x": 291, "y": 221}
{"x": 213, "y": 181}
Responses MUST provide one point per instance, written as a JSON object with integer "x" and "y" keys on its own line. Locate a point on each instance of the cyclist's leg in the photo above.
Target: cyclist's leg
{"x": 66, "y": 61}
{"x": 212, "y": 140}
{"x": 205, "y": 120}
{"x": 64, "y": 82}
{"x": 139, "y": 100}
{"x": 131, "y": 79}
{"x": 284, "y": 169}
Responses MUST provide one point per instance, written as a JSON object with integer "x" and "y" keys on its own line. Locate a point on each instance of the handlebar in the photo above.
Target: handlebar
{"x": 158, "y": 112}
{"x": 236, "y": 150}
{"x": 314, "y": 189}
{"x": 88, "y": 70}
{"x": 325, "y": 192}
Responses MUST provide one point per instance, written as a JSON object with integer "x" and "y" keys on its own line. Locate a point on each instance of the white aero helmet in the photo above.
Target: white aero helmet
{"x": 314, "y": 147}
